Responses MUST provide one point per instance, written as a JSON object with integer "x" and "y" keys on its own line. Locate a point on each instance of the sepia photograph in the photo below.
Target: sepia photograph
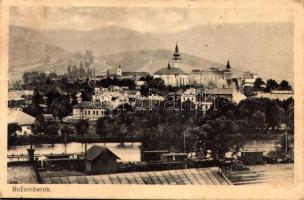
{"x": 150, "y": 95}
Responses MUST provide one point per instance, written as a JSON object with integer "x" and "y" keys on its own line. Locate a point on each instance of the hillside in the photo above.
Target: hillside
{"x": 152, "y": 60}
{"x": 259, "y": 47}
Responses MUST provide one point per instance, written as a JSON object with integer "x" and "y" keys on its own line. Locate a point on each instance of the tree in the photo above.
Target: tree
{"x": 144, "y": 90}
{"x": 51, "y": 130}
{"x": 249, "y": 91}
{"x": 39, "y": 124}
{"x": 12, "y": 128}
{"x": 258, "y": 83}
{"x": 276, "y": 117}
{"x": 53, "y": 75}
{"x": 51, "y": 96}
{"x": 61, "y": 107}
{"x": 146, "y": 78}
{"x": 66, "y": 131}
{"x": 271, "y": 85}
{"x": 284, "y": 85}
{"x": 258, "y": 119}
{"x": 101, "y": 127}
{"x": 82, "y": 128}
{"x": 157, "y": 83}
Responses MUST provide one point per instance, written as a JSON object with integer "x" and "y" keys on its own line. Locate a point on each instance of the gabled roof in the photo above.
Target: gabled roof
{"x": 19, "y": 117}
{"x": 169, "y": 71}
{"x": 135, "y": 73}
{"x": 96, "y": 150}
{"x": 89, "y": 105}
{"x": 190, "y": 91}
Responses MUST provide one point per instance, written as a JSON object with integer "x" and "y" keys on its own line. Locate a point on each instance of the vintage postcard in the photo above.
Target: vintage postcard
{"x": 152, "y": 99}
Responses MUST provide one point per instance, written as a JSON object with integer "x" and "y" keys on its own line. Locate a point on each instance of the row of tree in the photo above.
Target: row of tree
{"x": 260, "y": 86}
{"x": 221, "y": 129}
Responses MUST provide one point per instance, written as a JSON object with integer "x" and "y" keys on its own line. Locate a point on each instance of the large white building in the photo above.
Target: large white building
{"x": 172, "y": 74}
{"x": 87, "y": 110}
{"x": 211, "y": 76}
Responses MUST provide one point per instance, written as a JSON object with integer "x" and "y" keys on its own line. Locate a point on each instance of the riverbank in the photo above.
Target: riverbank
{"x": 94, "y": 138}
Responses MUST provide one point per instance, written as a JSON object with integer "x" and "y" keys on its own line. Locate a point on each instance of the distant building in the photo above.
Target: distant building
{"x": 115, "y": 99}
{"x": 120, "y": 74}
{"x": 199, "y": 99}
{"x": 17, "y": 98}
{"x": 218, "y": 77}
{"x": 172, "y": 74}
{"x": 115, "y": 88}
{"x": 248, "y": 79}
{"x": 88, "y": 110}
{"x": 277, "y": 94}
{"x": 100, "y": 160}
{"x": 25, "y": 121}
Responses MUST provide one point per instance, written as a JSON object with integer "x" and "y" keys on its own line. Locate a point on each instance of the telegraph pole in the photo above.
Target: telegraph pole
{"x": 286, "y": 142}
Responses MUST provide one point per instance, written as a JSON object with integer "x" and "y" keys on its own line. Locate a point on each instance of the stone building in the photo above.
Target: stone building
{"x": 211, "y": 76}
{"x": 172, "y": 74}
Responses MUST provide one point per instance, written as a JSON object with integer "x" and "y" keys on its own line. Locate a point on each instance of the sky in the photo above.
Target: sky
{"x": 148, "y": 19}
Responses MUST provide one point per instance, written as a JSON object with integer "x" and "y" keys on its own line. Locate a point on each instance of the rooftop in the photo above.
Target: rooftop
{"x": 19, "y": 117}
{"x": 20, "y": 174}
{"x": 169, "y": 71}
{"x": 89, "y": 105}
{"x": 197, "y": 176}
{"x": 96, "y": 150}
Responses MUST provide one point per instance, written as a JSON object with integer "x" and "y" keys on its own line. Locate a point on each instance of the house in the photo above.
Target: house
{"x": 114, "y": 98}
{"x": 17, "y": 98}
{"x": 115, "y": 88}
{"x": 248, "y": 79}
{"x": 25, "y": 121}
{"x": 88, "y": 110}
{"x": 200, "y": 100}
{"x": 172, "y": 74}
{"x": 156, "y": 97}
{"x": 100, "y": 160}
{"x": 120, "y": 74}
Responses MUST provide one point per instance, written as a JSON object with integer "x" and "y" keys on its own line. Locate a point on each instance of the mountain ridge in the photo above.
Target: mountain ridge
{"x": 256, "y": 47}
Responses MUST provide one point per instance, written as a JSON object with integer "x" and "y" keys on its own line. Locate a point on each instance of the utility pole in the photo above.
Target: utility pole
{"x": 286, "y": 142}
{"x": 184, "y": 142}
{"x": 65, "y": 142}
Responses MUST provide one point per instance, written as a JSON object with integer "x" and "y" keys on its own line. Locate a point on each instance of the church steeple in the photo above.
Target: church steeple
{"x": 176, "y": 55}
{"x": 228, "y": 67}
{"x": 119, "y": 71}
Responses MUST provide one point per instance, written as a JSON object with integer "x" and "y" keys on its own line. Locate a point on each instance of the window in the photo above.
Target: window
{"x": 89, "y": 112}
{"x": 93, "y": 112}
{"x": 85, "y": 112}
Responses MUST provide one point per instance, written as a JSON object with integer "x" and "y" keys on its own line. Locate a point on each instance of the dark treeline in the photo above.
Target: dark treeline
{"x": 224, "y": 127}
{"x": 260, "y": 86}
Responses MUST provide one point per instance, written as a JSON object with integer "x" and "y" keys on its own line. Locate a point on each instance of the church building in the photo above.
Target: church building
{"x": 172, "y": 74}
{"x": 215, "y": 76}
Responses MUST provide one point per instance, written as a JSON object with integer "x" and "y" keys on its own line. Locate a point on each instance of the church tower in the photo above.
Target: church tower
{"x": 119, "y": 72}
{"x": 176, "y": 59}
{"x": 228, "y": 73}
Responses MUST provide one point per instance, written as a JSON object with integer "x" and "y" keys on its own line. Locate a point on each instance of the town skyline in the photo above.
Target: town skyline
{"x": 211, "y": 49}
